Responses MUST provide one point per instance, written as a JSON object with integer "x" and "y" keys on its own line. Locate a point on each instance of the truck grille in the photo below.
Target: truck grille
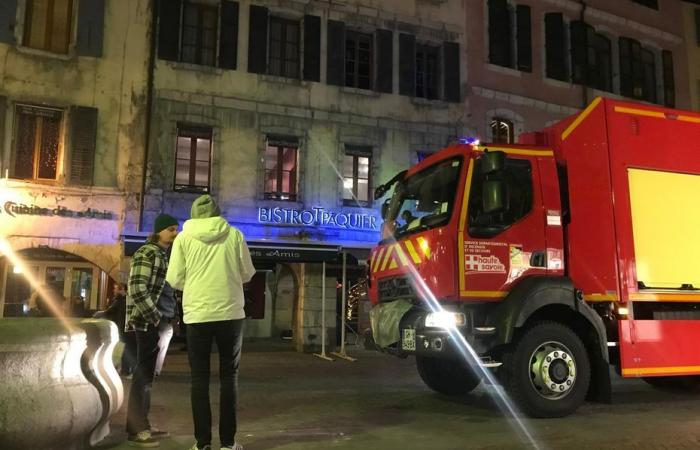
{"x": 394, "y": 289}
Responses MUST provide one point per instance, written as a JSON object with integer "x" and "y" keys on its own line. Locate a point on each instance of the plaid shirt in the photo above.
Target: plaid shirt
{"x": 146, "y": 280}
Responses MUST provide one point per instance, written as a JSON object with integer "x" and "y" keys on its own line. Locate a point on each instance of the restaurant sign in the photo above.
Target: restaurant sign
{"x": 13, "y": 209}
{"x": 318, "y": 216}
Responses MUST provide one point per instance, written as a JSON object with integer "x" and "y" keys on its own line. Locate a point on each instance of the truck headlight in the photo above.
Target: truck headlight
{"x": 445, "y": 319}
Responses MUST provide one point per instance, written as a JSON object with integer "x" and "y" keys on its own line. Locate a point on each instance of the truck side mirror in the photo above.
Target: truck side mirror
{"x": 493, "y": 196}
{"x": 492, "y": 162}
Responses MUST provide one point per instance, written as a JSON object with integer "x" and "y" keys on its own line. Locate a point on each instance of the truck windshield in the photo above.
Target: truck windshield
{"x": 424, "y": 200}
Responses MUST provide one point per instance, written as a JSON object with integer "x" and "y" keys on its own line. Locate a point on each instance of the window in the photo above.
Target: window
{"x": 653, "y": 4}
{"x": 357, "y": 163}
{"x": 358, "y": 60}
{"x": 637, "y": 71}
{"x": 193, "y": 159}
{"x": 284, "y": 48}
{"x": 555, "y": 47}
{"x": 199, "y": 26}
{"x": 427, "y": 78}
{"x": 591, "y": 59}
{"x": 500, "y": 33}
{"x": 515, "y": 180}
{"x": 198, "y": 32}
{"x": 37, "y": 143}
{"x": 281, "y": 167}
{"x": 48, "y": 25}
{"x": 426, "y": 199}
{"x": 502, "y": 131}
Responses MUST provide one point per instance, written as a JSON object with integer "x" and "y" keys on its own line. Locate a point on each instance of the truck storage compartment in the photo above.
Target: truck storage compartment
{"x": 665, "y": 225}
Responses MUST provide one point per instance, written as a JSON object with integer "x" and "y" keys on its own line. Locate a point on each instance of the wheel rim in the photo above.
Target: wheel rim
{"x": 552, "y": 370}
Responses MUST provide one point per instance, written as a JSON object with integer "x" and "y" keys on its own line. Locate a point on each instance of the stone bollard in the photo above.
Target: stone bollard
{"x": 59, "y": 386}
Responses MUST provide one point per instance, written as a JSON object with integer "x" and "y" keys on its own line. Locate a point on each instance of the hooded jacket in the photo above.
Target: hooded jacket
{"x": 210, "y": 262}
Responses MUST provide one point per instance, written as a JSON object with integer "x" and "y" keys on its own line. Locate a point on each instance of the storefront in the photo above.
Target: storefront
{"x": 62, "y": 239}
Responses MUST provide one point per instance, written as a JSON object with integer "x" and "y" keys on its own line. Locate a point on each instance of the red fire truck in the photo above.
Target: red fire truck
{"x": 577, "y": 249}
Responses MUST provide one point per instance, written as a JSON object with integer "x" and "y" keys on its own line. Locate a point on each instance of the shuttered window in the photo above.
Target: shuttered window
{"x": 37, "y": 143}
{"x": 591, "y": 57}
{"x": 48, "y": 25}
{"x": 500, "y": 35}
{"x": 357, "y": 164}
{"x": 193, "y": 158}
{"x": 637, "y": 71}
{"x": 281, "y": 169}
{"x": 427, "y": 75}
{"x": 198, "y": 33}
{"x": 555, "y": 47}
{"x": 284, "y": 48}
{"x": 358, "y": 60}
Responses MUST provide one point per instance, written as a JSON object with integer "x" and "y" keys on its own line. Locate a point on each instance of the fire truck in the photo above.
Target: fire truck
{"x": 548, "y": 261}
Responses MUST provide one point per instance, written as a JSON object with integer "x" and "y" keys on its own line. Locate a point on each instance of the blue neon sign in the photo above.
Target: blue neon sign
{"x": 318, "y": 216}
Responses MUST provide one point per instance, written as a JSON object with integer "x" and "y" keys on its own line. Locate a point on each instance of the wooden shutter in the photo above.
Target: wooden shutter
{"x": 8, "y": 15}
{"x": 83, "y": 143}
{"x": 697, "y": 26}
{"x": 257, "y": 41}
{"x": 407, "y": 64}
{"x": 228, "y": 35}
{"x": 499, "y": 33}
{"x": 312, "y": 48}
{"x": 335, "y": 61}
{"x": 579, "y": 51}
{"x": 91, "y": 18}
{"x": 524, "y": 38}
{"x": 555, "y": 50}
{"x": 169, "y": 29}
{"x": 451, "y": 81}
{"x": 385, "y": 61}
{"x": 669, "y": 82}
{"x": 625, "y": 48}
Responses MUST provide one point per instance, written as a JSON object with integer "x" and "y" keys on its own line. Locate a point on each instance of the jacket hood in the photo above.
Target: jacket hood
{"x": 207, "y": 230}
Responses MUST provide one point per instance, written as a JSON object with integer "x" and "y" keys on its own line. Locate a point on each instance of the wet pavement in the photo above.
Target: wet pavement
{"x": 292, "y": 401}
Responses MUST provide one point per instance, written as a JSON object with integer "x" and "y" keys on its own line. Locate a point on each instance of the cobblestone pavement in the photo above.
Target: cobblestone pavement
{"x": 294, "y": 401}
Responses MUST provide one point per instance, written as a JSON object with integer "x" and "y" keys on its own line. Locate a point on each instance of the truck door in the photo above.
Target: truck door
{"x": 502, "y": 230}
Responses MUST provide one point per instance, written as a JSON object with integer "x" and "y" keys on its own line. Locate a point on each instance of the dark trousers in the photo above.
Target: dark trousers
{"x": 129, "y": 354}
{"x": 140, "y": 393}
{"x": 228, "y": 336}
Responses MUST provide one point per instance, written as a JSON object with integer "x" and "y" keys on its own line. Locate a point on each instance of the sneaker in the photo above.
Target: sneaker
{"x": 159, "y": 434}
{"x": 142, "y": 439}
{"x": 206, "y": 447}
{"x": 235, "y": 446}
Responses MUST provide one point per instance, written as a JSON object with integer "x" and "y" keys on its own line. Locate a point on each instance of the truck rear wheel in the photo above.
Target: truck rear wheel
{"x": 547, "y": 372}
{"x": 447, "y": 377}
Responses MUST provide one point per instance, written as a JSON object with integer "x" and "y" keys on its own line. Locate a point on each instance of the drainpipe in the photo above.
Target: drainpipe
{"x": 149, "y": 107}
{"x": 584, "y": 86}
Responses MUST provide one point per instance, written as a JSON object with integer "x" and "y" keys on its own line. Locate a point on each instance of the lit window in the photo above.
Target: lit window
{"x": 48, "y": 25}
{"x": 37, "y": 143}
{"x": 193, "y": 159}
{"x": 281, "y": 165}
{"x": 356, "y": 175}
{"x": 501, "y": 131}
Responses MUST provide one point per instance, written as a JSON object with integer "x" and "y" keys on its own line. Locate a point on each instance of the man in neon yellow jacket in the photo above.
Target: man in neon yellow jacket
{"x": 210, "y": 262}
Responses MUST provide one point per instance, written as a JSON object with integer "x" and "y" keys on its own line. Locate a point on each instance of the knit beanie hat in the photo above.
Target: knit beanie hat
{"x": 162, "y": 222}
{"x": 204, "y": 207}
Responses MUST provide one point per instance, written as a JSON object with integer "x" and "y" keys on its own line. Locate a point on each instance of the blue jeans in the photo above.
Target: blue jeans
{"x": 228, "y": 336}
{"x": 140, "y": 393}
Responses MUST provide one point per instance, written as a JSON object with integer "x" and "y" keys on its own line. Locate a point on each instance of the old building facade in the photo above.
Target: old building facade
{"x": 533, "y": 62}
{"x": 290, "y": 113}
{"x": 72, "y": 88}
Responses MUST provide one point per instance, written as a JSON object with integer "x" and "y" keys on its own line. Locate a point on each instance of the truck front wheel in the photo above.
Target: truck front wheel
{"x": 547, "y": 372}
{"x": 447, "y": 377}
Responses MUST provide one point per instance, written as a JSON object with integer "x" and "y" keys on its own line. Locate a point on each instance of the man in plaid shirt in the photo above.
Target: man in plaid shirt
{"x": 143, "y": 314}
